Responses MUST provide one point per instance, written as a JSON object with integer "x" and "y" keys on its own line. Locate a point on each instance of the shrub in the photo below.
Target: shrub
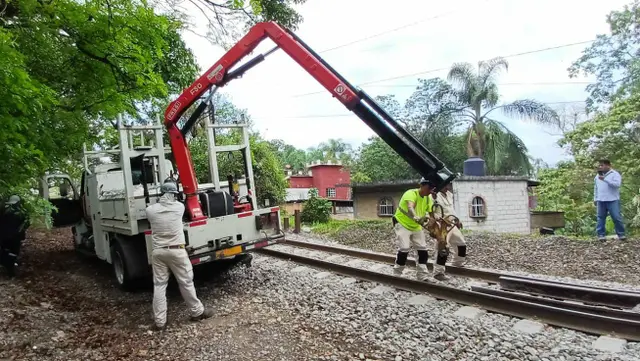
{"x": 315, "y": 209}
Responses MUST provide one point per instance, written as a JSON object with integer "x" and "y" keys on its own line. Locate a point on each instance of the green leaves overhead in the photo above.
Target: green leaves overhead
{"x": 612, "y": 132}
{"x": 613, "y": 58}
{"x": 228, "y": 20}
{"x": 68, "y": 68}
{"x": 476, "y": 96}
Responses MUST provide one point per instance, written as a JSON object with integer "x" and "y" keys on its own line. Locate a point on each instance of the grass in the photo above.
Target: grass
{"x": 334, "y": 227}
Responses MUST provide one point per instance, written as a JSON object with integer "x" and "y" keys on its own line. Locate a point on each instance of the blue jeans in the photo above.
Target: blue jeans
{"x": 613, "y": 209}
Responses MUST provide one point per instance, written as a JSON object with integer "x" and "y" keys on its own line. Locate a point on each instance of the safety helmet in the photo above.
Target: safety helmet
{"x": 169, "y": 187}
{"x": 424, "y": 181}
{"x": 14, "y": 199}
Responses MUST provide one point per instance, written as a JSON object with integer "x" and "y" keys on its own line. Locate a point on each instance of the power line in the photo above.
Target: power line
{"x": 501, "y": 84}
{"x": 387, "y": 32}
{"x": 340, "y": 115}
{"x": 448, "y": 67}
{"x": 392, "y": 30}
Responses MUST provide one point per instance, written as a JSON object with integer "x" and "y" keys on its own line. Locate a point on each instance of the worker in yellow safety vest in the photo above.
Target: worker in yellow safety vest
{"x": 414, "y": 209}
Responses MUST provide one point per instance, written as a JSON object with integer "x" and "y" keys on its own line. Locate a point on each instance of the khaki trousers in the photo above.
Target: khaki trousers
{"x": 455, "y": 239}
{"x": 176, "y": 261}
{"x": 405, "y": 239}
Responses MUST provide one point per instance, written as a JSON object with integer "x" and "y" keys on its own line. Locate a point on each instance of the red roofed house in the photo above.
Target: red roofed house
{"x": 330, "y": 179}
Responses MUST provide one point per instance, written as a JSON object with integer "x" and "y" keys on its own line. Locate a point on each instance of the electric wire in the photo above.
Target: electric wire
{"x": 449, "y": 67}
{"x": 340, "y": 115}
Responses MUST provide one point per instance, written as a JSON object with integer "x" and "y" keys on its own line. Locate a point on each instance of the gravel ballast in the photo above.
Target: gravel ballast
{"x": 610, "y": 261}
{"x": 65, "y": 308}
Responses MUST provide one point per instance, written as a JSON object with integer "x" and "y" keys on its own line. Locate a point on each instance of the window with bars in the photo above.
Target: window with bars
{"x": 478, "y": 207}
{"x": 385, "y": 207}
{"x": 331, "y": 192}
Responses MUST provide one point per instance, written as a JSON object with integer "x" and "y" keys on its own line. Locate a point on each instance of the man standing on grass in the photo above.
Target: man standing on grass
{"x": 606, "y": 198}
{"x": 414, "y": 208}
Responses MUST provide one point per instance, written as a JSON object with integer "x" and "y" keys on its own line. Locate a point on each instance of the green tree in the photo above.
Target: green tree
{"x": 315, "y": 209}
{"x": 289, "y": 155}
{"x": 614, "y": 135}
{"x": 568, "y": 188}
{"x": 428, "y": 114}
{"x": 70, "y": 67}
{"x": 228, "y": 20}
{"x": 613, "y": 58}
{"x": 378, "y": 162}
{"x": 267, "y": 168}
{"x": 478, "y": 97}
{"x": 336, "y": 150}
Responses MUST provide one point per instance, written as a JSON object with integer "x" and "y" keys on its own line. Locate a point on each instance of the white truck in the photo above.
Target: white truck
{"x": 107, "y": 211}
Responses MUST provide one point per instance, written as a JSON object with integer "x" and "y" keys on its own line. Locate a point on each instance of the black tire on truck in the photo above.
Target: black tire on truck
{"x": 129, "y": 261}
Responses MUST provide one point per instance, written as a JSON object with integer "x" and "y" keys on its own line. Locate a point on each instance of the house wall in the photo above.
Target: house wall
{"x": 301, "y": 182}
{"x": 327, "y": 176}
{"x": 365, "y": 205}
{"x": 506, "y": 202}
{"x": 507, "y": 205}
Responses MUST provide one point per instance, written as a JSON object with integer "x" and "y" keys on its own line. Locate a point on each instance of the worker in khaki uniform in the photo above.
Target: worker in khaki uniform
{"x": 170, "y": 256}
{"x": 414, "y": 207}
{"x": 455, "y": 239}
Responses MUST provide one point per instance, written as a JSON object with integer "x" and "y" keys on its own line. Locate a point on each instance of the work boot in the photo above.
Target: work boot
{"x": 398, "y": 270}
{"x": 421, "y": 272}
{"x": 441, "y": 277}
{"x": 157, "y": 328}
{"x": 207, "y": 313}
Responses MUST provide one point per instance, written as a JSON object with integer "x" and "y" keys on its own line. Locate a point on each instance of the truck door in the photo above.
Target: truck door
{"x": 61, "y": 192}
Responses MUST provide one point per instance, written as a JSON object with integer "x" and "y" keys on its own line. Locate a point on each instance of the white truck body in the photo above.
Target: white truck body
{"x": 112, "y": 219}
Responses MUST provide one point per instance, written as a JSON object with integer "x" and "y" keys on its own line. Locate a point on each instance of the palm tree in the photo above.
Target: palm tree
{"x": 478, "y": 97}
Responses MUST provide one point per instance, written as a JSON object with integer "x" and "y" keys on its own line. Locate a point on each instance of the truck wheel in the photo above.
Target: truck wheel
{"x": 123, "y": 278}
{"x": 129, "y": 263}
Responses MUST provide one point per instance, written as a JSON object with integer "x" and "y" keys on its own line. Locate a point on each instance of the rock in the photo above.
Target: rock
{"x": 470, "y": 312}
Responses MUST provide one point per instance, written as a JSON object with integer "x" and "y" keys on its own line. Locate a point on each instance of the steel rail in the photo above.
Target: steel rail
{"x": 610, "y": 297}
{"x": 485, "y": 275}
{"x": 563, "y": 283}
{"x": 489, "y": 276}
{"x": 580, "y": 321}
{"x": 581, "y": 307}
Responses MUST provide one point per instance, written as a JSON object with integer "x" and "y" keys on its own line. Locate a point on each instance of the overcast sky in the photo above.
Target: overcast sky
{"x": 276, "y": 91}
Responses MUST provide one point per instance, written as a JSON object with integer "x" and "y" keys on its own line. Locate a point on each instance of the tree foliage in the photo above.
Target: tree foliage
{"x": 612, "y": 130}
{"x": 228, "y": 20}
{"x": 477, "y": 96}
{"x": 315, "y": 209}
{"x": 70, "y": 67}
{"x": 267, "y": 168}
{"x": 613, "y": 135}
{"x": 613, "y": 58}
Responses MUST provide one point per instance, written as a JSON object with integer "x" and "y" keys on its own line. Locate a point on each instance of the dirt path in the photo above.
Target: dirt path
{"x": 64, "y": 307}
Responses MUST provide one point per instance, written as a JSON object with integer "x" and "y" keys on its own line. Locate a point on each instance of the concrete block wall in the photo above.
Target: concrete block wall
{"x": 506, "y": 205}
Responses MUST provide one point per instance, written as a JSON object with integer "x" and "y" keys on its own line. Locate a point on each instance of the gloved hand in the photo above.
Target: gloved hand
{"x": 418, "y": 220}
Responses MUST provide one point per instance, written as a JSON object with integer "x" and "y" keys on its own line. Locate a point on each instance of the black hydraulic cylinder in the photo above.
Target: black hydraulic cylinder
{"x": 193, "y": 119}
{"x": 423, "y": 163}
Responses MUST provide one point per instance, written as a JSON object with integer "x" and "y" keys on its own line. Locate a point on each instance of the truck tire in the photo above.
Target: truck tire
{"x": 129, "y": 261}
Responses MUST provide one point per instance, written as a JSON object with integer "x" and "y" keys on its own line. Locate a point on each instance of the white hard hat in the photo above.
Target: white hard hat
{"x": 169, "y": 187}
{"x": 13, "y": 199}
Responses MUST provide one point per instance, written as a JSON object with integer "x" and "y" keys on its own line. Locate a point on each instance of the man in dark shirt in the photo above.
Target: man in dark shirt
{"x": 13, "y": 228}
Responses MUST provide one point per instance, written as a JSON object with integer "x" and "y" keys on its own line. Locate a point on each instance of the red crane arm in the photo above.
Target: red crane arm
{"x": 354, "y": 99}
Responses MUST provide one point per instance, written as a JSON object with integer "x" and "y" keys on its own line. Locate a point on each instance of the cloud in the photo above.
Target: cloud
{"x": 445, "y": 33}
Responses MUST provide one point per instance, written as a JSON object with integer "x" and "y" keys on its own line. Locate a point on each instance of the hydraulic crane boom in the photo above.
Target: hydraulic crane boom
{"x": 354, "y": 99}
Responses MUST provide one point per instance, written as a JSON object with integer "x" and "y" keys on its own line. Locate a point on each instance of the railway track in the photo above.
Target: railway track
{"x": 521, "y": 297}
